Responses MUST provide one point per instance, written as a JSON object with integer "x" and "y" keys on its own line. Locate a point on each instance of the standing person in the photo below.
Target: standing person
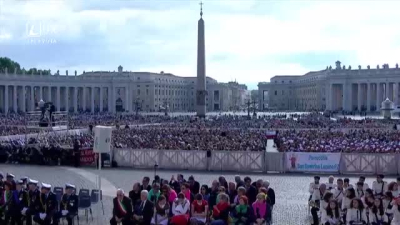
{"x": 33, "y": 201}
{"x": 313, "y": 186}
{"x": 270, "y": 195}
{"x": 379, "y": 186}
{"x": 18, "y": 203}
{"x": 68, "y": 205}
{"x": 377, "y": 215}
{"x": 338, "y": 193}
{"x": 315, "y": 201}
{"x": 180, "y": 210}
{"x": 122, "y": 209}
{"x": 199, "y": 211}
{"x": 331, "y": 183}
{"x": 77, "y": 154}
{"x": 331, "y": 216}
{"x": 5, "y": 200}
{"x": 46, "y": 206}
{"x": 251, "y": 191}
{"x": 194, "y": 185}
{"x": 134, "y": 195}
{"x": 356, "y": 214}
{"x": 161, "y": 212}
{"x": 145, "y": 184}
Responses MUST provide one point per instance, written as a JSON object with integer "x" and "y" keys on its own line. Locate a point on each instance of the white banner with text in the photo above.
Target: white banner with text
{"x": 312, "y": 162}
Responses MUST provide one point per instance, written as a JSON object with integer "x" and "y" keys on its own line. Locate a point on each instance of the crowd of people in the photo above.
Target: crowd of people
{"x": 363, "y": 141}
{"x": 160, "y": 202}
{"x": 335, "y": 203}
{"x": 180, "y": 202}
{"x": 22, "y": 201}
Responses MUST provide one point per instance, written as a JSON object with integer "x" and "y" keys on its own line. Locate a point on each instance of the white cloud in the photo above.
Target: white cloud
{"x": 249, "y": 41}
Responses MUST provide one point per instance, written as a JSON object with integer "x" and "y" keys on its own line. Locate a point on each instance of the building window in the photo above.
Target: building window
{"x": 155, "y": 91}
{"x": 276, "y": 92}
{"x": 138, "y": 86}
{"x": 138, "y": 92}
{"x": 283, "y": 92}
{"x": 283, "y": 82}
{"x": 147, "y": 91}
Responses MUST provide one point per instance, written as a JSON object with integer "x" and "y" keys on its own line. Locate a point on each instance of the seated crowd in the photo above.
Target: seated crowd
{"x": 335, "y": 203}
{"x": 22, "y": 200}
{"x": 362, "y": 141}
{"x": 182, "y": 202}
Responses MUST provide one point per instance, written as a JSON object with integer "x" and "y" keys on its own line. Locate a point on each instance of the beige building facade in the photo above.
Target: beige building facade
{"x": 107, "y": 91}
{"x": 332, "y": 89}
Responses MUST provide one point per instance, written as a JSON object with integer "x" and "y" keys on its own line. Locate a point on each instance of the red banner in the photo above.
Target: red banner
{"x": 87, "y": 157}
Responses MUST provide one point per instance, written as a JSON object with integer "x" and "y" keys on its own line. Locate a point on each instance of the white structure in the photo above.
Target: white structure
{"x": 387, "y": 108}
{"x": 201, "y": 89}
{"x": 101, "y": 91}
{"x": 332, "y": 89}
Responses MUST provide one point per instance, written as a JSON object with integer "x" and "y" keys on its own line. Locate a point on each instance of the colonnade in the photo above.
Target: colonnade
{"x": 362, "y": 96}
{"x": 24, "y": 98}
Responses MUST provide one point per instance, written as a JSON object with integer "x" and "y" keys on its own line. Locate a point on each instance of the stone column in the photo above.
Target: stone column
{"x": 84, "y": 98}
{"x": 58, "y": 98}
{"x": 92, "y": 99}
{"x": 359, "y": 97}
{"x": 32, "y": 98}
{"x": 378, "y": 96}
{"x": 75, "y": 99}
{"x": 49, "y": 94}
{"x": 345, "y": 101}
{"x": 15, "y": 105}
{"x": 110, "y": 97}
{"x": 387, "y": 91}
{"x": 23, "y": 99}
{"x": 66, "y": 99}
{"x": 114, "y": 99}
{"x": 101, "y": 99}
{"x": 127, "y": 99}
{"x": 368, "y": 97}
{"x": 40, "y": 93}
{"x": 329, "y": 94}
{"x": 6, "y": 99}
{"x": 396, "y": 93}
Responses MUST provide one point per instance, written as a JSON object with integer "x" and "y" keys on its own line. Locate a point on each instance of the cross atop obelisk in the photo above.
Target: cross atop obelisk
{"x": 201, "y": 92}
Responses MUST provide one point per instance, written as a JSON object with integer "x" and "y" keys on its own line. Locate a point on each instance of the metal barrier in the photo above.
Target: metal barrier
{"x": 237, "y": 161}
{"x": 246, "y": 161}
{"x": 376, "y": 163}
{"x": 275, "y": 161}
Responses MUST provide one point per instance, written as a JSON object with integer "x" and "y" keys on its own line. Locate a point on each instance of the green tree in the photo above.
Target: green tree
{"x": 9, "y": 64}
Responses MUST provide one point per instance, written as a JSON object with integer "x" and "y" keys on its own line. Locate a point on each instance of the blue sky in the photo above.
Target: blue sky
{"x": 246, "y": 40}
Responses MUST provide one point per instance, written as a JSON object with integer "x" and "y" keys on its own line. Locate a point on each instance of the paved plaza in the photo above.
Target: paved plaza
{"x": 291, "y": 190}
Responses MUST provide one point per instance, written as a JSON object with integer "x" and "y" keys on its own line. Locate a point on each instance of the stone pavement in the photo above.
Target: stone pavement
{"x": 291, "y": 190}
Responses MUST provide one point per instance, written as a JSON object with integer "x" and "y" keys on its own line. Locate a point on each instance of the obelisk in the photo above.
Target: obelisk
{"x": 201, "y": 92}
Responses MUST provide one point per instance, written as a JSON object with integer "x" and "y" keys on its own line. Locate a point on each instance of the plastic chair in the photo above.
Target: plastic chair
{"x": 97, "y": 196}
{"x": 84, "y": 192}
{"x": 85, "y": 203}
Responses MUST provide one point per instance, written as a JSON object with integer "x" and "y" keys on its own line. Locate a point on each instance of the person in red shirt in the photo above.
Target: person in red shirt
{"x": 199, "y": 210}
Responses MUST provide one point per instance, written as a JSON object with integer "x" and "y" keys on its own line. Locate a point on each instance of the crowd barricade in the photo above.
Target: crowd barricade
{"x": 369, "y": 163}
{"x": 248, "y": 161}
{"x": 274, "y": 161}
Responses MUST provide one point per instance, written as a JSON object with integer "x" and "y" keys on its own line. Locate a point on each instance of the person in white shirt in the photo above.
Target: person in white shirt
{"x": 313, "y": 186}
{"x": 360, "y": 190}
{"x": 339, "y": 192}
{"x": 180, "y": 210}
{"x": 330, "y": 185}
{"x": 379, "y": 186}
{"x": 346, "y": 201}
{"x": 331, "y": 216}
{"x": 315, "y": 202}
{"x": 395, "y": 210}
{"x": 356, "y": 214}
{"x": 394, "y": 188}
{"x": 365, "y": 185}
{"x": 377, "y": 214}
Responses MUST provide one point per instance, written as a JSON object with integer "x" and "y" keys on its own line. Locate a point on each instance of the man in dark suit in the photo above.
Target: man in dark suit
{"x": 194, "y": 185}
{"x": 33, "y": 201}
{"x": 251, "y": 191}
{"x": 145, "y": 211}
{"x": 68, "y": 205}
{"x": 47, "y": 206}
{"x": 19, "y": 201}
{"x": 122, "y": 210}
